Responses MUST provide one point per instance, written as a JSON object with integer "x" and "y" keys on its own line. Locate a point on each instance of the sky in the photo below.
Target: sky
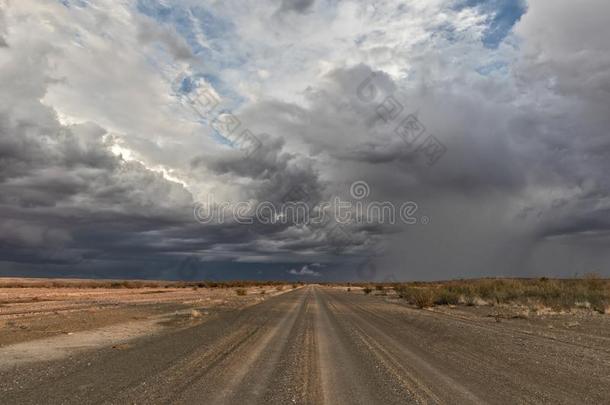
{"x": 128, "y": 127}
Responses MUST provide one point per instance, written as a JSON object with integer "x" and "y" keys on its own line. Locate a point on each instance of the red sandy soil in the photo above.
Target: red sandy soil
{"x": 40, "y": 312}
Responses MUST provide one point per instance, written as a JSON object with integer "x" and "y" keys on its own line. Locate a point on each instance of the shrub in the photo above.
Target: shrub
{"x": 423, "y": 297}
{"x": 401, "y": 291}
{"x": 469, "y": 299}
{"x": 598, "y": 303}
{"x": 418, "y": 296}
{"x": 447, "y": 297}
{"x": 367, "y": 290}
{"x": 240, "y": 291}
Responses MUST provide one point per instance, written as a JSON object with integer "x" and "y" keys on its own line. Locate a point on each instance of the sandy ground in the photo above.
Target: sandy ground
{"x": 49, "y": 323}
{"x": 327, "y": 346}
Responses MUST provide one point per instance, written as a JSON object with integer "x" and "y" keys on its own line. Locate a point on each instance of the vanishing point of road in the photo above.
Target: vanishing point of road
{"x": 318, "y": 345}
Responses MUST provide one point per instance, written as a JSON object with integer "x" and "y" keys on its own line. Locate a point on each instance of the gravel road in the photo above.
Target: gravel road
{"x": 320, "y": 345}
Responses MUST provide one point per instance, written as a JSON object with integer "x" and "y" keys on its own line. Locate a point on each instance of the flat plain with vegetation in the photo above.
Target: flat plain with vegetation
{"x": 588, "y": 293}
{"x": 457, "y": 342}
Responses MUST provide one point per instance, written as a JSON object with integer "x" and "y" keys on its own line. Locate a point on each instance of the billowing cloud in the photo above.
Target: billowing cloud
{"x": 109, "y": 136}
{"x": 306, "y": 271}
{"x": 298, "y": 6}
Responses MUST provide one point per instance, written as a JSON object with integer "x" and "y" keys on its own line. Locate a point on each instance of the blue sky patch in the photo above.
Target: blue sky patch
{"x": 189, "y": 22}
{"x": 503, "y": 15}
{"x": 211, "y": 37}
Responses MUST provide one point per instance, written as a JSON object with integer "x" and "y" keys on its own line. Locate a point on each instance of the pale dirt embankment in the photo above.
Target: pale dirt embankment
{"x": 42, "y": 323}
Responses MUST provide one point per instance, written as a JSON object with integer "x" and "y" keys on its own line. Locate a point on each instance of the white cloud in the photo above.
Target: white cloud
{"x": 306, "y": 271}
{"x": 525, "y": 124}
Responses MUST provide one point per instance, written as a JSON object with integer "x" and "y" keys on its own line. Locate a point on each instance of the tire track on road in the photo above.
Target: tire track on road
{"x": 216, "y": 372}
{"x": 406, "y": 367}
{"x": 348, "y": 375}
{"x": 482, "y": 354}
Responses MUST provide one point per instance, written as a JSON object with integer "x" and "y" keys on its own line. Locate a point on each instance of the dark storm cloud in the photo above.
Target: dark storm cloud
{"x": 500, "y": 160}
{"x": 297, "y": 6}
{"x": 521, "y": 189}
{"x": 65, "y": 198}
{"x": 70, "y": 206}
{"x": 340, "y": 124}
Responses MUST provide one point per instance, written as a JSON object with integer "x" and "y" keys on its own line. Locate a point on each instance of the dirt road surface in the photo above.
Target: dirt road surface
{"x": 320, "y": 345}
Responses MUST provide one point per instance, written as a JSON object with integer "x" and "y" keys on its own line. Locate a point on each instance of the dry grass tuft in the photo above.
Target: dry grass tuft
{"x": 421, "y": 297}
{"x": 591, "y": 292}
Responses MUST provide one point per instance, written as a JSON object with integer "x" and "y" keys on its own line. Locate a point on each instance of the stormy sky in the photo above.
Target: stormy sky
{"x": 123, "y": 123}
